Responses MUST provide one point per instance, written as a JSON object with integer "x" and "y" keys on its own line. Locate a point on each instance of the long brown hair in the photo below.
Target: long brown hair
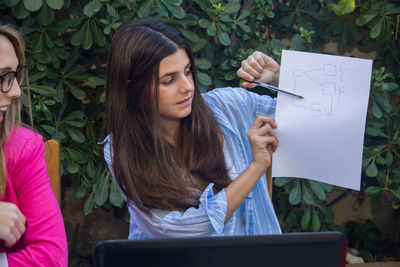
{"x": 149, "y": 170}
{"x": 12, "y": 116}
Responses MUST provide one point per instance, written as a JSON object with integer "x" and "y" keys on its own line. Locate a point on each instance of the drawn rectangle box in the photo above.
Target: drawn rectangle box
{"x": 329, "y": 88}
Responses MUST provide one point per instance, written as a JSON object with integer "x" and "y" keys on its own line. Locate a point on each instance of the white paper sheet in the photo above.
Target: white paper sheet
{"x": 321, "y": 136}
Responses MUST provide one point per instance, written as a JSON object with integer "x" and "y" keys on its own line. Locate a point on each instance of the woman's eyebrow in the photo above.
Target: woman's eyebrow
{"x": 5, "y": 69}
{"x": 172, "y": 73}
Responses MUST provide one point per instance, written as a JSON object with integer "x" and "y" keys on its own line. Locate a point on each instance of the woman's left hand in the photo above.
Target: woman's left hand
{"x": 258, "y": 66}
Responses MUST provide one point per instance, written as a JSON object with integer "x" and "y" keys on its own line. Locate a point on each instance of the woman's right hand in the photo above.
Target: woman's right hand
{"x": 263, "y": 141}
{"x": 260, "y": 67}
{"x": 12, "y": 223}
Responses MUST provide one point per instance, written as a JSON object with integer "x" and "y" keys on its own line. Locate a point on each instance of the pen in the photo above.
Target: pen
{"x": 269, "y": 86}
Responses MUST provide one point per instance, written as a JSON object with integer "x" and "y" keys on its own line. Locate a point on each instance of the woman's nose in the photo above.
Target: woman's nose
{"x": 15, "y": 91}
{"x": 187, "y": 84}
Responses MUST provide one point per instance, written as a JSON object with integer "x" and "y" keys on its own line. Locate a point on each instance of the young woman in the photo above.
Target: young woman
{"x": 187, "y": 164}
{"x": 31, "y": 225}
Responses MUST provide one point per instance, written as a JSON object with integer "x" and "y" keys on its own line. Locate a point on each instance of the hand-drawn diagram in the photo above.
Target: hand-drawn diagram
{"x": 327, "y": 80}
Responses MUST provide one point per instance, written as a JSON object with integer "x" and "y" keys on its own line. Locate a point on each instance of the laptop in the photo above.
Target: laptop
{"x": 320, "y": 249}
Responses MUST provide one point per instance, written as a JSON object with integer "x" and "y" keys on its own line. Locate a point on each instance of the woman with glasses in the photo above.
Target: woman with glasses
{"x": 188, "y": 164}
{"x": 31, "y": 225}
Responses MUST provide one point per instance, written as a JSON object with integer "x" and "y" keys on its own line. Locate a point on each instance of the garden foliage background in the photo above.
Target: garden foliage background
{"x": 67, "y": 43}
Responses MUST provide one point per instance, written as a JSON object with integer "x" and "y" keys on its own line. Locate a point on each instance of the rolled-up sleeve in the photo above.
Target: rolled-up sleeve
{"x": 206, "y": 220}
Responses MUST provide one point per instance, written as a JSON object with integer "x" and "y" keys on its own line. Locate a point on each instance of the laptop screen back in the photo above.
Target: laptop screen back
{"x": 292, "y": 249}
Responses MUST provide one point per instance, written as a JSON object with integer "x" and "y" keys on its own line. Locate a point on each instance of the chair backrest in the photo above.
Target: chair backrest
{"x": 52, "y": 155}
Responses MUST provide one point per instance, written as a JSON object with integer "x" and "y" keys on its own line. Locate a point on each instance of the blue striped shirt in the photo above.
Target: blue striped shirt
{"x": 235, "y": 110}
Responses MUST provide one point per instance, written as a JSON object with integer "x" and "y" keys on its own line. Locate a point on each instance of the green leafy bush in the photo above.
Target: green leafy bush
{"x": 67, "y": 44}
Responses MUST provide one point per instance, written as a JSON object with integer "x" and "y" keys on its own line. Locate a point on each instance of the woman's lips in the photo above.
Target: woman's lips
{"x": 184, "y": 102}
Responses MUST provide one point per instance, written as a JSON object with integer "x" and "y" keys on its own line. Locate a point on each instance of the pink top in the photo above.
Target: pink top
{"x": 28, "y": 187}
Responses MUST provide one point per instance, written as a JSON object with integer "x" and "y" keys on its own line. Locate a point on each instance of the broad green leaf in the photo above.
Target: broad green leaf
{"x": 98, "y": 35}
{"x": 115, "y": 195}
{"x": 43, "y": 90}
{"x": 80, "y": 192}
{"x": 88, "y": 206}
{"x": 389, "y": 158}
{"x": 49, "y": 42}
{"x": 45, "y": 16}
{"x": 244, "y": 27}
{"x": 377, "y": 29}
{"x": 76, "y": 135}
{"x": 229, "y": 76}
{"x": 372, "y": 171}
{"x": 287, "y": 20}
{"x": 76, "y": 92}
{"x": 244, "y": 14}
{"x": 227, "y": 19}
{"x": 374, "y": 131}
{"x": 176, "y": 11}
{"x": 204, "y": 78}
{"x": 295, "y": 193}
{"x": 395, "y": 193}
{"x": 76, "y": 39}
{"x": 33, "y": 5}
{"x": 223, "y": 37}
{"x": 376, "y": 110}
{"x": 365, "y": 162}
{"x": 74, "y": 155}
{"x": 198, "y": 45}
{"x": 232, "y": 8}
{"x": 59, "y": 97}
{"x": 189, "y": 20}
{"x": 37, "y": 43}
{"x": 174, "y": 2}
{"x": 391, "y": 86}
{"x": 212, "y": 29}
{"x": 202, "y": 63}
{"x": 72, "y": 167}
{"x": 328, "y": 213}
{"x": 95, "y": 80}
{"x": 49, "y": 129}
{"x": 318, "y": 190}
{"x": 71, "y": 61}
{"x": 102, "y": 190}
{"x": 316, "y": 224}
{"x": 75, "y": 119}
{"x": 40, "y": 67}
{"x": 366, "y": 17}
{"x": 277, "y": 45}
{"x": 190, "y": 35}
{"x": 102, "y": 97}
{"x": 111, "y": 10}
{"x": 307, "y": 195}
{"x": 373, "y": 190}
{"x": 279, "y": 182}
{"x": 145, "y": 9}
{"x": 55, "y": 4}
{"x": 11, "y": 3}
{"x": 92, "y": 8}
{"x": 87, "y": 38}
{"x": 384, "y": 102}
{"x": 204, "y": 23}
{"x": 306, "y": 219}
{"x": 344, "y": 7}
{"x": 19, "y": 11}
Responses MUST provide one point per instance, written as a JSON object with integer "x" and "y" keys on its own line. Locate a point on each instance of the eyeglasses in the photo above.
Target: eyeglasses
{"x": 7, "y": 79}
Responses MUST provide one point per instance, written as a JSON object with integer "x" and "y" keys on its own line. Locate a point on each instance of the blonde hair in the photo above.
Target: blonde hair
{"x": 12, "y": 116}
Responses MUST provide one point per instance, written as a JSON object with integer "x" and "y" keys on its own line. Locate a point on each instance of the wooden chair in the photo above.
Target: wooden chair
{"x": 52, "y": 155}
